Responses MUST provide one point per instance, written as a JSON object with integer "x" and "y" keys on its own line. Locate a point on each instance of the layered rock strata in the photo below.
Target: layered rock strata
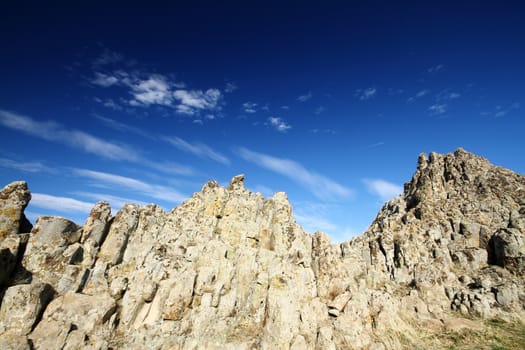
{"x": 229, "y": 269}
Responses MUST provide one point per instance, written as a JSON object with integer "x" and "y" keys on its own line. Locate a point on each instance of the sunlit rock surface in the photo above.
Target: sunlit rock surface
{"x": 229, "y": 269}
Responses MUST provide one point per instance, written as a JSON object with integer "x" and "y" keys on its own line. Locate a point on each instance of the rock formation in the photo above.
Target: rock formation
{"x": 229, "y": 269}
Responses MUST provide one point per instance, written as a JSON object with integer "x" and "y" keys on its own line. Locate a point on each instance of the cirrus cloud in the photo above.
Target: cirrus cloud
{"x": 320, "y": 185}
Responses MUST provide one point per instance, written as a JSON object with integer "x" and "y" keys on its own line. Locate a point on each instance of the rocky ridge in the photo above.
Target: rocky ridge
{"x": 229, "y": 269}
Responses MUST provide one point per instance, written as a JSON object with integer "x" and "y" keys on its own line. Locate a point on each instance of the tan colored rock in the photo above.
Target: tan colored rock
{"x": 229, "y": 269}
{"x": 70, "y": 314}
{"x": 13, "y": 341}
{"x": 338, "y": 304}
{"x": 47, "y": 255}
{"x": 13, "y": 200}
{"x": 114, "y": 246}
{"x": 22, "y": 305}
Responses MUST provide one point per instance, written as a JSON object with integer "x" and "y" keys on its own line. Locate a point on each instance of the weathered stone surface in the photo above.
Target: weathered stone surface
{"x": 51, "y": 250}
{"x": 13, "y": 341}
{"x": 70, "y": 318}
{"x": 9, "y": 249}
{"x": 509, "y": 249}
{"x": 22, "y": 305}
{"x": 14, "y": 198}
{"x": 229, "y": 269}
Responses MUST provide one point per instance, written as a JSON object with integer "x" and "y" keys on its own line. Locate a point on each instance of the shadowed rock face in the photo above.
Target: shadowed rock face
{"x": 230, "y": 269}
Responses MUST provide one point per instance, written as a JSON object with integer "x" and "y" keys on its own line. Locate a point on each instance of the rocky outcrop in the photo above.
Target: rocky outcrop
{"x": 14, "y": 198}
{"x": 230, "y": 269}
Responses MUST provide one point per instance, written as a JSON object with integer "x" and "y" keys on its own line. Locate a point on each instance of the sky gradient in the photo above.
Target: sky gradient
{"x": 330, "y": 102}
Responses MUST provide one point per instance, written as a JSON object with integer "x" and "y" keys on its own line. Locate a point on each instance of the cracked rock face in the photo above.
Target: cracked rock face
{"x": 229, "y": 269}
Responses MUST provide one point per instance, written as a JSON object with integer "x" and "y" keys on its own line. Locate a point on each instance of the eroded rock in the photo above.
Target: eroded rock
{"x": 230, "y": 269}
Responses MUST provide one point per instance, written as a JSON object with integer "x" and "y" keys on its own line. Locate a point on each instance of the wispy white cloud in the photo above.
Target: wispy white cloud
{"x": 321, "y": 186}
{"x": 155, "y": 90}
{"x": 170, "y": 168}
{"x": 313, "y": 217}
{"x": 154, "y": 191}
{"x": 230, "y": 87}
{"x": 107, "y": 57}
{"x": 435, "y": 69}
{"x": 500, "y": 111}
{"x": 438, "y": 109}
{"x": 279, "y": 124}
{"x": 365, "y": 94}
{"x": 447, "y": 95}
{"x": 395, "y": 92}
{"x": 377, "y": 144}
{"x": 324, "y": 131}
{"x": 29, "y": 167}
{"x": 109, "y": 103}
{"x": 191, "y": 102}
{"x": 418, "y": 95}
{"x": 305, "y": 97}
{"x": 382, "y": 188}
{"x": 61, "y": 204}
{"x": 266, "y": 191}
{"x": 52, "y": 131}
{"x": 116, "y": 202}
{"x": 249, "y": 107}
{"x": 104, "y": 80}
{"x": 319, "y": 110}
{"x": 121, "y": 127}
{"x": 199, "y": 149}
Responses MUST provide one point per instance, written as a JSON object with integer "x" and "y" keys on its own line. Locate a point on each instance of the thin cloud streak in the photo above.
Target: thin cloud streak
{"x": 199, "y": 149}
{"x": 52, "y": 131}
{"x": 313, "y": 217}
{"x": 29, "y": 167}
{"x": 115, "y": 202}
{"x": 321, "y": 186}
{"x": 382, "y": 188}
{"x": 305, "y": 97}
{"x": 61, "y": 204}
{"x": 170, "y": 168}
{"x": 121, "y": 127}
{"x": 418, "y": 95}
{"x": 153, "y": 191}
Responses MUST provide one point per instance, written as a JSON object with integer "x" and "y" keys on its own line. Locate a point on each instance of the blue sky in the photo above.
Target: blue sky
{"x": 328, "y": 101}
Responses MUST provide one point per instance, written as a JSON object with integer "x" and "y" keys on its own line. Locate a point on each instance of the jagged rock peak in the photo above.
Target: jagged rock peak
{"x": 14, "y": 198}
{"x": 461, "y": 174}
{"x": 237, "y": 183}
{"x": 230, "y": 269}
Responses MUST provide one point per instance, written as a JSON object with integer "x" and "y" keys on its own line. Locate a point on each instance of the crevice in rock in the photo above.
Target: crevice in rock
{"x": 106, "y": 231}
{"x": 47, "y": 295}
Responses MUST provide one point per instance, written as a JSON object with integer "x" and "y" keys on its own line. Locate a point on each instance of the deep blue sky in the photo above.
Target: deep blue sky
{"x": 329, "y": 101}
